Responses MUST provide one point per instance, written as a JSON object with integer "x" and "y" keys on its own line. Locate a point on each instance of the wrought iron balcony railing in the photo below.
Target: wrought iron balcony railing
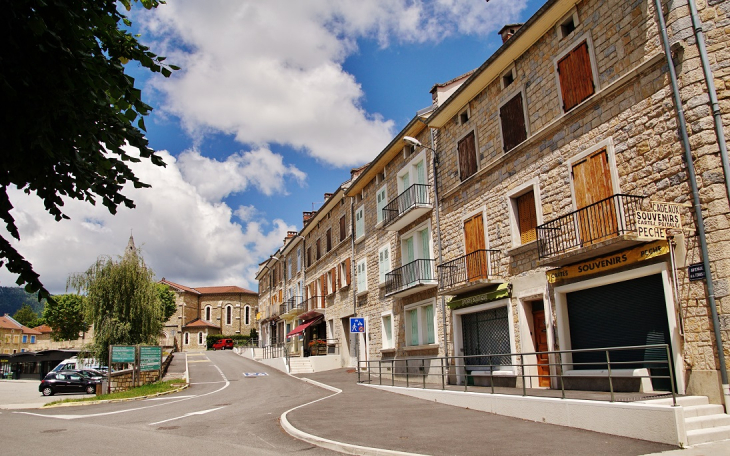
{"x": 477, "y": 265}
{"x": 414, "y": 196}
{"x": 291, "y": 304}
{"x": 410, "y": 275}
{"x": 611, "y": 217}
{"x": 314, "y": 302}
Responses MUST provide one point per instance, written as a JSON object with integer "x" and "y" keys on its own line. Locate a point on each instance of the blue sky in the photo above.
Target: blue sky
{"x": 274, "y": 104}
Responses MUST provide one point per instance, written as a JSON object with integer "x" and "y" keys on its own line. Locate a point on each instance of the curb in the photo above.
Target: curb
{"x": 334, "y": 445}
{"x": 111, "y": 401}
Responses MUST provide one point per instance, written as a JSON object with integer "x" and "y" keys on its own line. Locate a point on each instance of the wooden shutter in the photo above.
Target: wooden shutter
{"x": 476, "y": 264}
{"x": 339, "y": 276}
{"x": 592, "y": 184}
{"x": 333, "y": 280}
{"x": 329, "y": 239}
{"x": 343, "y": 230}
{"x": 348, "y": 269}
{"x": 527, "y": 217}
{"x": 576, "y": 76}
{"x": 512, "y": 116}
{"x": 467, "y": 156}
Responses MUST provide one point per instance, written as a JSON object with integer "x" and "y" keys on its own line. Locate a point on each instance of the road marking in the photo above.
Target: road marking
{"x": 205, "y": 383}
{"x": 201, "y": 412}
{"x": 255, "y": 374}
{"x": 167, "y": 398}
{"x": 199, "y": 361}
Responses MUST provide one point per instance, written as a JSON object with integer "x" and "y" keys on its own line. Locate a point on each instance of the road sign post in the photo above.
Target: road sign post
{"x": 357, "y": 324}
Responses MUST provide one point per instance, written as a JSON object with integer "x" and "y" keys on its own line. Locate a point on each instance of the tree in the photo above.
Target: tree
{"x": 68, "y": 108}
{"x": 167, "y": 301}
{"x": 65, "y": 315}
{"x": 122, "y": 302}
{"x": 25, "y": 315}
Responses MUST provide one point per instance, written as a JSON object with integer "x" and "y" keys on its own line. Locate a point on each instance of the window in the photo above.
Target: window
{"x": 207, "y": 313}
{"x": 525, "y": 212}
{"x": 383, "y": 263}
{"x": 416, "y": 246}
{"x": 388, "y": 331}
{"x": 229, "y": 315}
{"x": 508, "y": 77}
{"x": 575, "y": 74}
{"x": 464, "y": 116}
{"x": 467, "y": 156}
{"x": 382, "y": 200}
{"x": 360, "y": 222}
{"x": 16, "y": 339}
{"x": 186, "y": 339}
{"x": 299, "y": 259}
{"x": 288, "y": 267}
{"x": 32, "y": 339}
{"x": 413, "y": 173}
{"x": 246, "y": 315}
{"x": 345, "y": 273}
{"x": 329, "y": 239}
{"x": 512, "y": 119}
{"x": 362, "y": 278}
{"x": 420, "y": 324}
{"x": 200, "y": 338}
{"x": 343, "y": 228}
{"x": 408, "y": 150}
{"x": 25, "y": 338}
{"x": 309, "y": 256}
{"x": 318, "y": 248}
{"x": 331, "y": 281}
{"x": 568, "y": 25}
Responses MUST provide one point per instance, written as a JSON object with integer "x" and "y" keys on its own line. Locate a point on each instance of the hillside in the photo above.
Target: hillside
{"x": 12, "y": 298}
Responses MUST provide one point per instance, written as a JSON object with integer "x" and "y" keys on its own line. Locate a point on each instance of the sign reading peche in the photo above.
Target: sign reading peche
{"x": 654, "y": 224}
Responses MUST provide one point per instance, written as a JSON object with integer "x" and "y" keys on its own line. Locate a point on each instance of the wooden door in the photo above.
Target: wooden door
{"x": 592, "y": 185}
{"x": 476, "y": 255}
{"x": 541, "y": 345}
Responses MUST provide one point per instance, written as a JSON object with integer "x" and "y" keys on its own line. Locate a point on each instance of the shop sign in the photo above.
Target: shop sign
{"x": 500, "y": 292}
{"x": 608, "y": 262}
{"x": 655, "y": 223}
{"x": 696, "y": 271}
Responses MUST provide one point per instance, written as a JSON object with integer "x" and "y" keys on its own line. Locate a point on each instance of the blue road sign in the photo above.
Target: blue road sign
{"x": 357, "y": 325}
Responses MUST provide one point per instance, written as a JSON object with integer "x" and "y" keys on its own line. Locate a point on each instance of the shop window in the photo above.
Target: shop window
{"x": 467, "y": 156}
{"x": 575, "y": 74}
{"x": 420, "y": 324}
{"x": 512, "y": 120}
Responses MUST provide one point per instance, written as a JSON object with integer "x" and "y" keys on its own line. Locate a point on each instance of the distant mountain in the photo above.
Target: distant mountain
{"x": 12, "y": 298}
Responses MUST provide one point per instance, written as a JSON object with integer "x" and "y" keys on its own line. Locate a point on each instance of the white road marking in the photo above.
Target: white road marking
{"x": 169, "y": 398}
{"x": 205, "y": 383}
{"x": 201, "y": 412}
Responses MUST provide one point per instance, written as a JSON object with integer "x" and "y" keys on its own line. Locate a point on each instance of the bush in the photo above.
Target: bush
{"x": 238, "y": 339}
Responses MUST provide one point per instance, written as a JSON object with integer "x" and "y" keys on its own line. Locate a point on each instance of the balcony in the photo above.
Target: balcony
{"x": 472, "y": 271}
{"x": 292, "y": 307}
{"x": 312, "y": 307}
{"x": 602, "y": 227}
{"x": 411, "y": 278}
{"x": 407, "y": 207}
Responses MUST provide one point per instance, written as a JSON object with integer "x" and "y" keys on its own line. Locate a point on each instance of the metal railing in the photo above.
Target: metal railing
{"x": 415, "y": 195}
{"x": 480, "y": 264}
{"x": 321, "y": 347}
{"x": 437, "y": 372}
{"x": 314, "y": 302}
{"x": 409, "y": 275}
{"x": 277, "y": 350}
{"x": 292, "y": 303}
{"x": 608, "y": 218}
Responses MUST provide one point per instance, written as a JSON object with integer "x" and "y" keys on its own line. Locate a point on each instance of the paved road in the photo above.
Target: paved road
{"x": 21, "y": 394}
{"x": 222, "y": 412}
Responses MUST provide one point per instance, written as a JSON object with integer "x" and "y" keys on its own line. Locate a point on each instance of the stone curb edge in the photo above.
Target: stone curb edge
{"x": 109, "y": 401}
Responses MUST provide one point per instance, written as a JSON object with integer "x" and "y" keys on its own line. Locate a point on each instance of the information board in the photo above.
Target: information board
{"x": 123, "y": 353}
{"x": 150, "y": 358}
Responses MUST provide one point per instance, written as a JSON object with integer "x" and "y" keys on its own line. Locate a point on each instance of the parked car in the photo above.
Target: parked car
{"x": 92, "y": 373}
{"x": 223, "y": 344}
{"x": 76, "y": 364}
{"x": 67, "y": 382}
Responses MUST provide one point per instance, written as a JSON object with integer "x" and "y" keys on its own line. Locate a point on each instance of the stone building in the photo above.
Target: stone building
{"x": 16, "y": 338}
{"x": 227, "y": 310}
{"x": 546, "y": 154}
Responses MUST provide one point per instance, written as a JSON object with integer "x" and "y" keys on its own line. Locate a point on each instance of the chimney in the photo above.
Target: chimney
{"x": 289, "y": 235}
{"x": 508, "y": 30}
{"x": 306, "y": 216}
{"x": 328, "y": 196}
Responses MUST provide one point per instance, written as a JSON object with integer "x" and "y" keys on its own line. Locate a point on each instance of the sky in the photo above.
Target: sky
{"x": 275, "y": 102}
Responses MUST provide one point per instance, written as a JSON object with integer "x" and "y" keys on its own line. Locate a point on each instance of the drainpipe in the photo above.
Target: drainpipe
{"x": 435, "y": 161}
{"x": 710, "y": 81}
{"x": 696, "y": 200}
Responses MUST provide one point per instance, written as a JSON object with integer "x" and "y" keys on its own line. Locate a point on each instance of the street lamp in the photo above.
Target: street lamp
{"x": 414, "y": 141}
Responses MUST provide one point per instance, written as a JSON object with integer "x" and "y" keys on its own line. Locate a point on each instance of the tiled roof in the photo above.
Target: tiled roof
{"x": 198, "y": 323}
{"x": 44, "y": 329}
{"x": 227, "y": 289}
{"x": 8, "y": 322}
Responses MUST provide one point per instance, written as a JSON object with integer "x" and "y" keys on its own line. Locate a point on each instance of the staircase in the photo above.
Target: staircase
{"x": 704, "y": 422}
{"x": 300, "y": 366}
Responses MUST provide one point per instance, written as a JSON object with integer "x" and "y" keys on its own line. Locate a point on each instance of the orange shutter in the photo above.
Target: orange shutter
{"x": 576, "y": 76}
{"x": 527, "y": 217}
{"x": 348, "y": 269}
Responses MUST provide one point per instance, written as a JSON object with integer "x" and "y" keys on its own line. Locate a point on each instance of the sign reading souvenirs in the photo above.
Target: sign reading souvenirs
{"x": 357, "y": 325}
{"x": 655, "y": 223}
{"x": 123, "y": 353}
{"x": 150, "y": 358}
{"x": 608, "y": 262}
{"x": 696, "y": 271}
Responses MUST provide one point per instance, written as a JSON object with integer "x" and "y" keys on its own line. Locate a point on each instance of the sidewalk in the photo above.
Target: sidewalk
{"x": 378, "y": 419}
{"x": 178, "y": 367}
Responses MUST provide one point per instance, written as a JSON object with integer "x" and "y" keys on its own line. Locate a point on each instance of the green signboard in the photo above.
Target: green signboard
{"x": 150, "y": 358}
{"x": 123, "y": 353}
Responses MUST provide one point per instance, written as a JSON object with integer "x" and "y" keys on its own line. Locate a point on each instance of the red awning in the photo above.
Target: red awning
{"x": 300, "y": 329}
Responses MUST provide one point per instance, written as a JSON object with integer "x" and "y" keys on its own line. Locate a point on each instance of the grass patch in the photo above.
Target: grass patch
{"x": 144, "y": 390}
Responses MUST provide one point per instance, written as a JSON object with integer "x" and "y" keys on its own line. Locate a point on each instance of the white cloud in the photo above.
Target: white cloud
{"x": 183, "y": 236}
{"x": 270, "y": 72}
{"x": 214, "y": 180}
{"x": 247, "y": 213}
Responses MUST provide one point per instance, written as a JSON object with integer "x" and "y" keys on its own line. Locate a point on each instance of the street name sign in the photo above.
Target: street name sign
{"x": 357, "y": 324}
{"x": 150, "y": 358}
{"x": 696, "y": 271}
{"x": 123, "y": 353}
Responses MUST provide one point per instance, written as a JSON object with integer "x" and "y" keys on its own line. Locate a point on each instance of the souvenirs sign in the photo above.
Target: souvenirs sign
{"x": 655, "y": 223}
{"x": 608, "y": 262}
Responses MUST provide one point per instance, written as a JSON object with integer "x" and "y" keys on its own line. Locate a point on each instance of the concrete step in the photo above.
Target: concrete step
{"x": 300, "y": 366}
{"x": 706, "y": 422}
{"x": 684, "y": 401}
{"x": 703, "y": 410}
{"x": 698, "y": 436}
